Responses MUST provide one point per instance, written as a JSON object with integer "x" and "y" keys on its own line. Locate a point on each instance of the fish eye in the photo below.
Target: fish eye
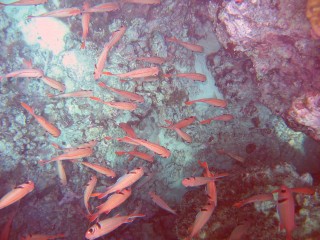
{"x": 283, "y": 190}
{"x": 91, "y": 230}
{"x": 138, "y": 167}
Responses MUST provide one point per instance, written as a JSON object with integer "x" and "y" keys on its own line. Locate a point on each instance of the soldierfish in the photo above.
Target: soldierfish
{"x": 212, "y": 101}
{"x": 211, "y": 189}
{"x": 54, "y": 83}
{"x": 190, "y": 46}
{"x": 85, "y": 21}
{"x": 25, "y": 3}
{"x": 100, "y": 169}
{"x": 76, "y": 94}
{"x": 104, "y": 7}
{"x": 161, "y": 203}
{"x": 70, "y": 155}
{"x": 197, "y": 181}
{"x": 108, "y": 225}
{"x": 60, "y": 13}
{"x": 119, "y": 105}
{"x": 88, "y": 191}
{"x": 185, "y": 136}
{"x": 125, "y": 181}
{"x": 42, "y": 237}
{"x": 129, "y": 95}
{"x": 101, "y": 62}
{"x": 142, "y": 1}
{"x": 162, "y": 151}
{"x": 112, "y": 202}
{"x": 155, "y": 60}
{"x": 49, "y": 127}
{"x": 181, "y": 124}
{"x": 255, "y": 198}
{"x": 24, "y": 73}
{"x": 128, "y": 129}
{"x": 138, "y": 73}
{"x": 201, "y": 219}
{"x": 224, "y": 117}
{"x": 138, "y": 154}
{"x": 16, "y": 194}
{"x": 116, "y": 36}
{"x": 193, "y": 76}
{"x": 61, "y": 173}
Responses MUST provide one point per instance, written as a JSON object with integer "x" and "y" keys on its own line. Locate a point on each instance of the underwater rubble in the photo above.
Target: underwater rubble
{"x": 258, "y": 58}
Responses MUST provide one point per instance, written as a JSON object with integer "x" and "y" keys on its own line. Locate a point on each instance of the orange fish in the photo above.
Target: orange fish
{"x": 61, "y": 173}
{"x": 211, "y": 189}
{"x": 162, "y": 151}
{"x": 231, "y": 155}
{"x": 60, "y": 13}
{"x": 138, "y": 73}
{"x": 183, "y": 135}
{"x": 5, "y": 234}
{"x": 127, "y": 140}
{"x": 128, "y": 129}
{"x": 24, "y": 73}
{"x": 224, "y": 117}
{"x": 16, "y": 194}
{"x": 112, "y": 202}
{"x": 190, "y": 46}
{"x": 124, "y": 182}
{"x": 212, "y": 101}
{"x": 101, "y": 62}
{"x": 25, "y": 3}
{"x": 182, "y": 123}
{"x": 201, "y": 219}
{"x": 255, "y": 198}
{"x": 197, "y": 181}
{"x": 53, "y": 83}
{"x": 53, "y": 130}
{"x": 103, "y": 170}
{"x": 119, "y": 105}
{"x": 129, "y": 95}
{"x": 77, "y": 94}
{"x": 70, "y": 155}
{"x": 88, "y": 191}
{"x": 106, "y": 226}
{"x": 90, "y": 144}
{"x": 155, "y": 60}
{"x": 85, "y": 20}
{"x": 137, "y": 154}
{"x": 161, "y": 203}
{"x": 42, "y": 237}
{"x": 104, "y": 7}
{"x": 193, "y": 76}
{"x": 142, "y": 1}
{"x": 116, "y": 36}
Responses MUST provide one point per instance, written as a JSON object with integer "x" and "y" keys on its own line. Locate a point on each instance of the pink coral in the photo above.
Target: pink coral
{"x": 306, "y": 111}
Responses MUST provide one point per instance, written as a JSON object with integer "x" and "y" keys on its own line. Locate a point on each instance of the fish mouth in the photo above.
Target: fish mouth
{"x": 282, "y": 200}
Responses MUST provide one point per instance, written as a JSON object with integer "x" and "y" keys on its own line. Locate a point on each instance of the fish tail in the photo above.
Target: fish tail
{"x": 83, "y": 45}
{"x": 101, "y": 84}
{"x": 28, "y": 108}
{"x": 96, "y": 99}
{"x": 120, "y": 153}
{"x": 188, "y": 103}
{"x": 92, "y": 217}
{"x": 203, "y": 164}
{"x": 132, "y": 216}
{"x": 107, "y": 73}
{"x": 167, "y": 75}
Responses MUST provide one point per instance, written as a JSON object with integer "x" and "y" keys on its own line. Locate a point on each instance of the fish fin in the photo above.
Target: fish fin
{"x": 28, "y": 108}
{"x": 203, "y": 164}
{"x": 107, "y": 73}
{"x": 120, "y": 153}
{"x": 188, "y": 103}
{"x": 83, "y": 45}
{"x": 95, "y": 194}
{"x": 308, "y": 191}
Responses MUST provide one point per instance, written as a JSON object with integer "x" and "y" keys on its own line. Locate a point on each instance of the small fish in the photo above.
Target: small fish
{"x": 137, "y": 154}
{"x": 138, "y": 73}
{"x": 231, "y": 155}
{"x": 143, "y": 1}
{"x": 25, "y": 3}
{"x": 16, "y": 194}
{"x": 212, "y": 101}
{"x": 88, "y": 191}
{"x": 190, "y": 46}
{"x": 98, "y": 168}
{"x": 197, "y": 181}
{"x": 85, "y": 21}
{"x": 162, "y": 151}
{"x": 224, "y": 117}
{"x": 255, "y": 198}
{"x": 60, "y": 13}
{"x": 42, "y": 237}
{"x": 70, "y": 155}
{"x": 124, "y": 182}
{"x": 77, "y": 94}
{"x": 106, "y": 226}
{"x": 239, "y": 231}
{"x": 53, "y": 83}
{"x": 201, "y": 219}
{"x": 182, "y": 123}
{"x": 119, "y": 105}
{"x": 155, "y": 60}
{"x": 104, "y": 7}
{"x": 49, "y": 127}
{"x": 183, "y": 135}
{"x": 128, "y": 129}
{"x": 61, "y": 173}
{"x": 116, "y": 36}
{"x": 161, "y": 203}
{"x": 193, "y": 76}
{"x": 101, "y": 62}
{"x": 24, "y": 73}
{"x": 129, "y": 95}
{"x": 211, "y": 189}
{"x": 125, "y": 139}
{"x": 112, "y": 202}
